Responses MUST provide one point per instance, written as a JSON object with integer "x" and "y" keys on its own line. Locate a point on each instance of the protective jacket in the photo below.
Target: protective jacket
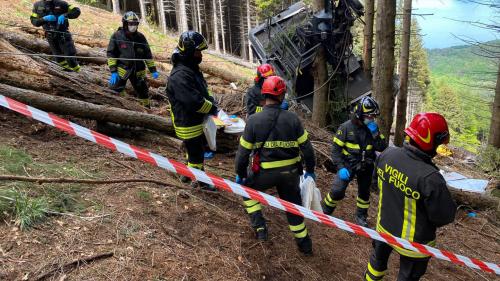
{"x": 254, "y": 99}
{"x": 56, "y": 8}
{"x": 285, "y": 142}
{"x": 190, "y": 100}
{"x": 354, "y": 147}
{"x": 133, "y": 46}
{"x": 414, "y": 199}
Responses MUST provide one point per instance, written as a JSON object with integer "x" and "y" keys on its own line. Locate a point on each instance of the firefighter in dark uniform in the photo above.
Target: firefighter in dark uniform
{"x": 277, "y": 139}
{"x": 414, "y": 199}
{"x": 128, "y": 43}
{"x": 53, "y": 16}
{"x": 354, "y": 147}
{"x": 254, "y": 100}
{"x": 189, "y": 98}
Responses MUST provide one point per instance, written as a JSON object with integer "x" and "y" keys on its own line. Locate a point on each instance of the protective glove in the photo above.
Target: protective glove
{"x": 308, "y": 174}
{"x": 239, "y": 180}
{"x": 208, "y": 155}
{"x": 49, "y": 18}
{"x": 155, "y": 75}
{"x": 284, "y": 105}
{"x": 114, "y": 78}
{"x": 344, "y": 174}
{"x": 61, "y": 19}
{"x": 373, "y": 127}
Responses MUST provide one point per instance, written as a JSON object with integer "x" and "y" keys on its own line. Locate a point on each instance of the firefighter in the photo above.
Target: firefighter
{"x": 414, "y": 199}
{"x": 128, "y": 43}
{"x": 190, "y": 100}
{"x": 254, "y": 100}
{"x": 277, "y": 139}
{"x": 53, "y": 16}
{"x": 354, "y": 147}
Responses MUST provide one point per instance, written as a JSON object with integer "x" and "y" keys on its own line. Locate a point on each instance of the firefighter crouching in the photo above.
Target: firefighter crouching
{"x": 414, "y": 199}
{"x": 53, "y": 16}
{"x": 354, "y": 147}
{"x": 254, "y": 100}
{"x": 128, "y": 43}
{"x": 190, "y": 100}
{"x": 277, "y": 139}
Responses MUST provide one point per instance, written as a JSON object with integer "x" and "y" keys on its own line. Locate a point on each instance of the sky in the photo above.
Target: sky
{"x": 440, "y": 29}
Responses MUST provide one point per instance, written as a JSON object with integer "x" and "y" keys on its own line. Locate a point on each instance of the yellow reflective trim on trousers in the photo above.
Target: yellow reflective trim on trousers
{"x": 254, "y": 208}
{"x": 258, "y": 109}
{"x": 410, "y": 217}
{"x": 301, "y": 234}
{"x": 345, "y": 152}
{"x": 150, "y": 63}
{"x": 375, "y": 272}
{"x": 197, "y": 166}
{"x": 250, "y": 203}
{"x": 368, "y": 278}
{"x": 280, "y": 163}
{"x": 302, "y": 139}
{"x": 186, "y": 132}
{"x": 352, "y": 145}
{"x": 122, "y": 72}
{"x": 329, "y": 201}
{"x": 369, "y": 147}
{"x": 112, "y": 62}
{"x": 246, "y": 144}
{"x": 35, "y": 15}
{"x": 297, "y": 227}
{"x": 205, "y": 108}
{"x": 403, "y": 251}
{"x": 338, "y": 142}
{"x": 63, "y": 63}
{"x": 362, "y": 203}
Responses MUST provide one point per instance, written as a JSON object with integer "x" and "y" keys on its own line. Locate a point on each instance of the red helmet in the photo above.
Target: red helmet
{"x": 428, "y": 130}
{"x": 264, "y": 71}
{"x": 273, "y": 85}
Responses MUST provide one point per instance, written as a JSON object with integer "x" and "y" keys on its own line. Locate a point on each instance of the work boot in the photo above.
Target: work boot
{"x": 261, "y": 233}
{"x": 305, "y": 245}
{"x": 206, "y": 186}
{"x": 185, "y": 179}
{"x": 361, "y": 216}
{"x": 327, "y": 210}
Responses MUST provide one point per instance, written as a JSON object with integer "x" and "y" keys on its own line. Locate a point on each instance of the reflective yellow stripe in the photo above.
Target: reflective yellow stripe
{"x": 252, "y": 206}
{"x": 197, "y": 166}
{"x": 382, "y": 136}
{"x": 303, "y": 138}
{"x": 71, "y": 7}
{"x": 35, "y": 15}
{"x": 403, "y": 251}
{"x": 339, "y": 142}
{"x": 121, "y": 72}
{"x": 250, "y": 202}
{"x": 352, "y": 145}
{"x": 63, "y": 63}
{"x": 362, "y": 203}
{"x": 258, "y": 109}
{"x": 410, "y": 217}
{"x": 369, "y": 147}
{"x": 297, "y": 227}
{"x": 329, "y": 201}
{"x": 150, "y": 63}
{"x": 112, "y": 62}
{"x": 205, "y": 108}
{"x": 246, "y": 144}
{"x": 281, "y": 163}
{"x": 345, "y": 152}
{"x": 374, "y": 272}
{"x": 186, "y": 132}
{"x": 379, "y": 182}
{"x": 301, "y": 234}
{"x": 368, "y": 278}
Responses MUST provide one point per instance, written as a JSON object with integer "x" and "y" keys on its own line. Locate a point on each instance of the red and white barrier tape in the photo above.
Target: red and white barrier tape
{"x": 223, "y": 184}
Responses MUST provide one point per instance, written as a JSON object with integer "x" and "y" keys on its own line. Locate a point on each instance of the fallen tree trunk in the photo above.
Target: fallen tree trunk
{"x": 65, "y": 106}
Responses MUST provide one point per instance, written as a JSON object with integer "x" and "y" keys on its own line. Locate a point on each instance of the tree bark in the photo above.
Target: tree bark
{"x": 243, "y": 40}
{"x": 383, "y": 78}
{"x": 105, "y": 113}
{"x": 215, "y": 27}
{"x": 368, "y": 37}
{"x": 403, "y": 75}
{"x": 161, "y": 16}
{"x": 183, "y": 22}
{"x": 494, "y": 137}
{"x": 142, "y": 6}
{"x": 221, "y": 14}
{"x": 198, "y": 11}
{"x": 320, "y": 73}
{"x": 249, "y": 26}
{"x": 116, "y": 6}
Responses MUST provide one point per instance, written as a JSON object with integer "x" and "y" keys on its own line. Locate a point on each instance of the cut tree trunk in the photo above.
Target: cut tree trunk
{"x": 116, "y": 6}
{"x": 183, "y": 22}
{"x": 368, "y": 37}
{"x": 161, "y": 16}
{"x": 320, "y": 73}
{"x": 403, "y": 75}
{"x": 221, "y": 14}
{"x": 494, "y": 137}
{"x": 215, "y": 26}
{"x": 249, "y": 26}
{"x": 142, "y": 6}
{"x": 198, "y": 13}
{"x": 243, "y": 37}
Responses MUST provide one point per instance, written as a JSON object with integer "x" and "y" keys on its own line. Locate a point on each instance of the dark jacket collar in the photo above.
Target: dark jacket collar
{"x": 414, "y": 152}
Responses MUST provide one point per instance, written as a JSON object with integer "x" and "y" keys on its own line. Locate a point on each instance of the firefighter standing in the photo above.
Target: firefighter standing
{"x": 53, "y": 15}
{"x": 128, "y": 43}
{"x": 276, "y": 138}
{"x": 190, "y": 100}
{"x": 414, "y": 199}
{"x": 254, "y": 100}
{"x": 354, "y": 147}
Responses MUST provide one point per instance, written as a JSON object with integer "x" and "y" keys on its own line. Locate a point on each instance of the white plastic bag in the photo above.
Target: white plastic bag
{"x": 233, "y": 125}
{"x": 210, "y": 131}
{"x": 311, "y": 196}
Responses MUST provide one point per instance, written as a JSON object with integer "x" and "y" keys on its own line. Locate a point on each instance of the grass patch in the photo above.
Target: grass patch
{"x": 26, "y": 210}
{"x": 13, "y": 160}
{"x": 144, "y": 195}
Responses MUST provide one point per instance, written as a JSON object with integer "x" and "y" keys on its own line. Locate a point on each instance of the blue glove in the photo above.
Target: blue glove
{"x": 312, "y": 175}
{"x": 61, "y": 19}
{"x": 155, "y": 75}
{"x": 284, "y": 105}
{"x": 373, "y": 127}
{"x": 49, "y": 18}
{"x": 239, "y": 180}
{"x": 344, "y": 174}
{"x": 114, "y": 78}
{"x": 208, "y": 155}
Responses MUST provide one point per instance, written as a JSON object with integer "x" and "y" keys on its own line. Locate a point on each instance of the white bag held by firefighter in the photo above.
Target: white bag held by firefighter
{"x": 311, "y": 196}
{"x": 210, "y": 131}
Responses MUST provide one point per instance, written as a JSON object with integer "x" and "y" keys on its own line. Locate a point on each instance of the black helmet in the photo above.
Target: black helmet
{"x": 190, "y": 41}
{"x": 130, "y": 17}
{"x": 366, "y": 106}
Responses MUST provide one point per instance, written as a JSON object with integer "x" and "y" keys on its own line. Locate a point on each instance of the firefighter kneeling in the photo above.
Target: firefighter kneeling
{"x": 276, "y": 137}
{"x": 414, "y": 199}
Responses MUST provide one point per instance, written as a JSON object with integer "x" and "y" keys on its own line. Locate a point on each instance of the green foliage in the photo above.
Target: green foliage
{"x": 144, "y": 195}
{"x": 13, "y": 160}
{"x": 25, "y": 209}
{"x": 489, "y": 160}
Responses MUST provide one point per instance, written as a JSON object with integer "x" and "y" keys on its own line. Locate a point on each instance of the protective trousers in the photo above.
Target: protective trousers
{"x": 61, "y": 44}
{"x": 194, "y": 150}
{"x": 286, "y": 180}
{"x": 410, "y": 269}
{"x": 364, "y": 178}
{"x": 138, "y": 81}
